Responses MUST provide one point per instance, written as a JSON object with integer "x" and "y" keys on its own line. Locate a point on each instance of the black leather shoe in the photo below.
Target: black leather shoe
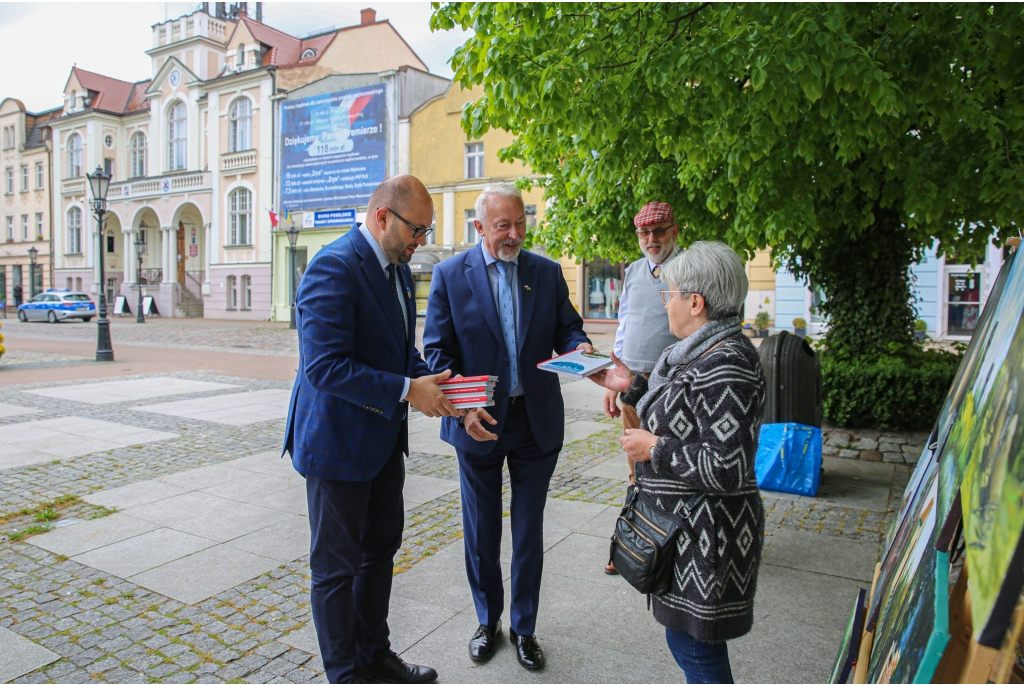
{"x": 529, "y": 653}
{"x": 483, "y": 642}
{"x": 395, "y": 670}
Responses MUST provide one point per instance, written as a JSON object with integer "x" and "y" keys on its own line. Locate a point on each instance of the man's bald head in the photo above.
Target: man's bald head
{"x": 399, "y": 193}
{"x": 407, "y": 196}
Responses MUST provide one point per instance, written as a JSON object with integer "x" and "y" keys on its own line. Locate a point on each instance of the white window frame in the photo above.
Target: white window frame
{"x": 232, "y": 294}
{"x": 24, "y": 178}
{"x": 474, "y": 160}
{"x": 472, "y": 237}
{"x": 240, "y": 126}
{"x": 74, "y": 149}
{"x": 24, "y": 226}
{"x": 10, "y": 229}
{"x": 39, "y": 224}
{"x": 139, "y": 155}
{"x": 240, "y": 233}
{"x": 40, "y": 177}
{"x": 246, "y": 292}
{"x": 177, "y": 137}
{"x": 432, "y": 236}
{"x": 74, "y": 219}
{"x": 9, "y": 181}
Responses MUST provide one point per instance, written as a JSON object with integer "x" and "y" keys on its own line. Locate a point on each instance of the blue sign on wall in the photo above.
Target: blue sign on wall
{"x": 334, "y": 217}
{"x": 333, "y": 148}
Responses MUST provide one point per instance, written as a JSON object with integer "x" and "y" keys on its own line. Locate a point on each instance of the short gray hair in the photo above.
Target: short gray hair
{"x": 501, "y": 189}
{"x": 714, "y": 270}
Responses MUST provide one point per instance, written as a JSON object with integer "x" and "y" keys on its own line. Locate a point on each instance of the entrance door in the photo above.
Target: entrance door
{"x": 181, "y": 253}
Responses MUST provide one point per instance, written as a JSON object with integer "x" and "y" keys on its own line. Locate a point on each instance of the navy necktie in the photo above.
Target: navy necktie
{"x": 393, "y": 282}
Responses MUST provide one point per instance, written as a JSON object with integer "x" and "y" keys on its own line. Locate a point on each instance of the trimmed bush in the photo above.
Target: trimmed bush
{"x": 799, "y": 322}
{"x": 893, "y": 393}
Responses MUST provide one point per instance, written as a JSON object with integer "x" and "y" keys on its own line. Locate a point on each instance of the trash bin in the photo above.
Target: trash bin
{"x": 792, "y": 373}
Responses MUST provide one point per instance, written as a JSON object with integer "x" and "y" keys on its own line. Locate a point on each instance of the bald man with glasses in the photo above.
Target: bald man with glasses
{"x": 643, "y": 332}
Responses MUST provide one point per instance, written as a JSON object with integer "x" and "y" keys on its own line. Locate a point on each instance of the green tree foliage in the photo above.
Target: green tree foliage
{"x": 848, "y": 137}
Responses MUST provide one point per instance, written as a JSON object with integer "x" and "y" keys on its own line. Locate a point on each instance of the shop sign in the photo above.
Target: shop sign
{"x": 334, "y": 217}
{"x": 333, "y": 148}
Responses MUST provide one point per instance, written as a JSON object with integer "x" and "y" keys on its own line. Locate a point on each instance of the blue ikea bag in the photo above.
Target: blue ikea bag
{"x": 789, "y": 458}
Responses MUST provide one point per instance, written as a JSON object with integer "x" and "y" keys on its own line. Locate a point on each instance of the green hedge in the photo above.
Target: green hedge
{"x": 893, "y": 393}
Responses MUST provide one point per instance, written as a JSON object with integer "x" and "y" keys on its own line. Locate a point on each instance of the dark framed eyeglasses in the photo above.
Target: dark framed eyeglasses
{"x": 656, "y": 232}
{"x": 417, "y": 231}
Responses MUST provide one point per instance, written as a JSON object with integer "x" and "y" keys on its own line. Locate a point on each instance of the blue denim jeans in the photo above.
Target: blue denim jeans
{"x": 702, "y": 662}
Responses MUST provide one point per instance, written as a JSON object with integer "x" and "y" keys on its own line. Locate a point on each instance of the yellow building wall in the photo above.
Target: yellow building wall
{"x": 759, "y": 271}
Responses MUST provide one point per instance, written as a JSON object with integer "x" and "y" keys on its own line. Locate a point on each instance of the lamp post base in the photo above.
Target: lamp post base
{"x": 104, "y": 349}
{"x": 291, "y": 321}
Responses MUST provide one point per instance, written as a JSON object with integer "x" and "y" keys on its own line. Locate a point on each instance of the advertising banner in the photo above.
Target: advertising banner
{"x": 334, "y": 217}
{"x": 333, "y": 148}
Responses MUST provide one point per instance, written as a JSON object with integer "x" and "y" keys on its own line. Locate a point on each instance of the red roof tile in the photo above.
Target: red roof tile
{"x": 138, "y": 101}
{"x": 112, "y": 95}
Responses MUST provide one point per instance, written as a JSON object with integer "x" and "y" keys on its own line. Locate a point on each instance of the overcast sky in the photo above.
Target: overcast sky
{"x": 40, "y": 42}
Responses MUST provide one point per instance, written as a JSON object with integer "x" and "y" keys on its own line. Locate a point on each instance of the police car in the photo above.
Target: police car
{"x": 57, "y": 305}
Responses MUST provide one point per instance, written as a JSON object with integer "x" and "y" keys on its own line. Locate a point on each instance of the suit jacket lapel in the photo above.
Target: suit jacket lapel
{"x": 378, "y": 283}
{"x": 527, "y": 288}
{"x": 481, "y": 287}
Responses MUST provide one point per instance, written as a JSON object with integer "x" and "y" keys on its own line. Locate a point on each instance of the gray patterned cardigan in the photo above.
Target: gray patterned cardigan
{"x": 707, "y": 418}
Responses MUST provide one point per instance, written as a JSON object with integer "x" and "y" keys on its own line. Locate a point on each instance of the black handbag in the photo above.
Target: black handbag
{"x": 643, "y": 544}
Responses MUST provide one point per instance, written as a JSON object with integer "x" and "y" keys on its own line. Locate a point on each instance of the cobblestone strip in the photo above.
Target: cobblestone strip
{"x": 111, "y": 630}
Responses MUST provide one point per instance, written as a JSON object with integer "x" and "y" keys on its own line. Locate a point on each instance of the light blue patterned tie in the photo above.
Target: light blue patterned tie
{"x": 508, "y": 323}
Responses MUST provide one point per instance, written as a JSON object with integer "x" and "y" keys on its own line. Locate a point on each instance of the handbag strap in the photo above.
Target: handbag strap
{"x": 688, "y": 506}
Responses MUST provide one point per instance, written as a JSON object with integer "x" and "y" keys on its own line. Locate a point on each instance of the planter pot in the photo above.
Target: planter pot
{"x": 800, "y": 332}
{"x": 763, "y": 333}
{"x": 920, "y": 334}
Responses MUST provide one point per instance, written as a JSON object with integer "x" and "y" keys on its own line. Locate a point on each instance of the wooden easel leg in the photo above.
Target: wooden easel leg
{"x": 860, "y": 670}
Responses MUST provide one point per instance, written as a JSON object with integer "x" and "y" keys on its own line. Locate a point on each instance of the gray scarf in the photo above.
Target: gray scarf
{"x": 677, "y": 356}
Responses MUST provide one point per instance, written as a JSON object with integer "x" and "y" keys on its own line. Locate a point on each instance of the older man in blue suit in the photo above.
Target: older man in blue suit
{"x": 496, "y": 310}
{"x": 347, "y": 429}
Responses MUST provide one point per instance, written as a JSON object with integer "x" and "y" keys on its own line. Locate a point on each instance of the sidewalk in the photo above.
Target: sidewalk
{"x": 179, "y": 546}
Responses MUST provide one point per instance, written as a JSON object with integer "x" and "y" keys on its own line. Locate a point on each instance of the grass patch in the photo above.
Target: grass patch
{"x": 46, "y": 515}
{"x": 61, "y": 558}
{"x": 17, "y": 535}
{"x": 128, "y": 594}
{"x": 62, "y": 502}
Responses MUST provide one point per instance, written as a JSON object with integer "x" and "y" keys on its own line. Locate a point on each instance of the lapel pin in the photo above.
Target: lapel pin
{"x": 527, "y": 287}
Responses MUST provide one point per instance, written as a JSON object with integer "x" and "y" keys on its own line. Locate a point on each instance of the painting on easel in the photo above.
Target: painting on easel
{"x": 850, "y": 645}
{"x": 988, "y": 349}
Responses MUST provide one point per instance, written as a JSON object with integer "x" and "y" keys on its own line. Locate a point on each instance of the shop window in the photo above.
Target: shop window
{"x": 471, "y": 234}
{"x": 603, "y": 281}
{"x": 3, "y": 284}
{"x": 475, "y": 160}
{"x": 963, "y": 302}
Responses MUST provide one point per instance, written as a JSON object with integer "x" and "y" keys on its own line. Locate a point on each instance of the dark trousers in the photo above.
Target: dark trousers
{"x": 702, "y": 662}
{"x": 530, "y": 472}
{"x": 356, "y": 529}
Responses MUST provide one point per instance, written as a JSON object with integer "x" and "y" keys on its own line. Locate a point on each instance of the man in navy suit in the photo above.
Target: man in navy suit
{"x": 347, "y": 429}
{"x": 496, "y": 310}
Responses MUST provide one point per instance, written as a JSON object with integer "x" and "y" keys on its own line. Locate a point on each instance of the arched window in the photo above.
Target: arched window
{"x": 241, "y": 125}
{"x": 232, "y": 294}
{"x": 74, "y": 231}
{"x": 241, "y": 217}
{"x": 74, "y": 156}
{"x": 176, "y": 137}
{"x": 308, "y": 53}
{"x": 138, "y": 155}
{"x": 240, "y": 55}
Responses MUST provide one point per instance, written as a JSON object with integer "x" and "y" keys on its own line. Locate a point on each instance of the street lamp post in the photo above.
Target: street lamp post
{"x": 32, "y": 254}
{"x": 293, "y": 237}
{"x": 99, "y": 183}
{"x": 140, "y": 252}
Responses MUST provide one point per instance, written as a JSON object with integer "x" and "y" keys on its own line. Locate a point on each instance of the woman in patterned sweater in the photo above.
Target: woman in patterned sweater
{"x": 700, "y": 411}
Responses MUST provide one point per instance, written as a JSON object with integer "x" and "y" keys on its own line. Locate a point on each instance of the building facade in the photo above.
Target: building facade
{"x": 25, "y": 164}
{"x": 191, "y": 153}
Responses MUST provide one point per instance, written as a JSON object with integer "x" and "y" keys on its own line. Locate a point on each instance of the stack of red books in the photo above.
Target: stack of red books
{"x": 465, "y": 393}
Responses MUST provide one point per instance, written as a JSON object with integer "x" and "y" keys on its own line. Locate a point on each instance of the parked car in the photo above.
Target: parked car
{"x": 57, "y": 305}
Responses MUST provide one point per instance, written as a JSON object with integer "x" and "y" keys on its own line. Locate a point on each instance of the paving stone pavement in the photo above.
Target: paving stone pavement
{"x": 107, "y": 629}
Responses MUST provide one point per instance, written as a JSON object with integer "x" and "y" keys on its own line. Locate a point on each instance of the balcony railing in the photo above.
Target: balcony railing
{"x": 238, "y": 161}
{"x": 179, "y": 183}
{"x": 151, "y": 276}
{"x": 73, "y": 186}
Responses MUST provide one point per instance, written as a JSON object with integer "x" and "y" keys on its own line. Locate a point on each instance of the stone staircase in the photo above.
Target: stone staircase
{"x": 188, "y": 305}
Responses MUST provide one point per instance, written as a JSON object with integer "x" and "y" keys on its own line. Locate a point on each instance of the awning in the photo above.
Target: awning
{"x": 423, "y": 262}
